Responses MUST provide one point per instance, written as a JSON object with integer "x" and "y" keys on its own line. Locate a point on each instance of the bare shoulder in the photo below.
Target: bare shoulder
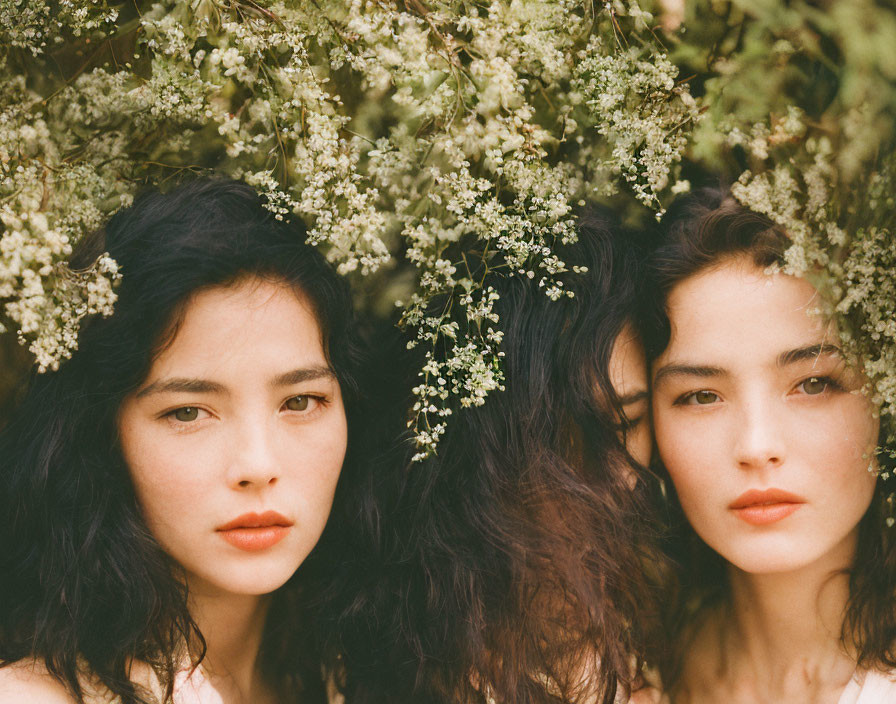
{"x": 29, "y": 681}
{"x": 142, "y": 675}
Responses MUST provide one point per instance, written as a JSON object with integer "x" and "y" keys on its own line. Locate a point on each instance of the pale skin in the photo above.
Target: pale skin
{"x": 240, "y": 414}
{"x": 628, "y": 374}
{"x": 752, "y": 394}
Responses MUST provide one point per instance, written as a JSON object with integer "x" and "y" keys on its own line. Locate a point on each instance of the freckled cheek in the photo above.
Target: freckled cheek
{"x": 169, "y": 480}
{"x": 315, "y": 460}
{"x": 695, "y": 489}
{"x": 838, "y": 453}
{"x": 696, "y": 465}
{"x": 856, "y": 463}
{"x": 846, "y": 438}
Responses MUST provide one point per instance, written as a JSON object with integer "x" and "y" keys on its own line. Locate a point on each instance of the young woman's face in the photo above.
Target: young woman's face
{"x": 628, "y": 374}
{"x": 759, "y": 421}
{"x": 236, "y": 438}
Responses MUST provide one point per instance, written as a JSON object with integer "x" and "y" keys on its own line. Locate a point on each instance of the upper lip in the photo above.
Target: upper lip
{"x": 257, "y": 520}
{"x": 761, "y": 497}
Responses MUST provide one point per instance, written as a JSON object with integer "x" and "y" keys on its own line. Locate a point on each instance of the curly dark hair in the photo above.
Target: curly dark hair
{"x": 511, "y": 563}
{"x": 699, "y": 230}
{"x": 84, "y": 587}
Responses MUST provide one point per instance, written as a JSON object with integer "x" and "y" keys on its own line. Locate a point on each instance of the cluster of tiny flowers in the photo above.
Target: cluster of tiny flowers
{"x": 43, "y": 211}
{"x": 496, "y": 137}
{"x": 869, "y": 301}
{"x": 634, "y": 102}
{"x": 842, "y": 240}
{"x": 33, "y": 24}
{"x": 459, "y": 135}
{"x": 864, "y": 292}
{"x": 796, "y": 192}
{"x": 468, "y": 369}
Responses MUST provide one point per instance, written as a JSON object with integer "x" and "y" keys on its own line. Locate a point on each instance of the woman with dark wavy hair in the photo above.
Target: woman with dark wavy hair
{"x": 515, "y": 554}
{"x": 787, "y": 571}
{"x": 162, "y": 493}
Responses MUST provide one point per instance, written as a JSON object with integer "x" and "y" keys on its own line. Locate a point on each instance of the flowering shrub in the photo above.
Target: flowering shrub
{"x": 451, "y": 139}
{"x": 802, "y": 115}
{"x": 451, "y": 135}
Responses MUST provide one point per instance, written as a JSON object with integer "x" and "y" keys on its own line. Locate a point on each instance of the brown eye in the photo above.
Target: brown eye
{"x": 815, "y": 385}
{"x": 704, "y": 397}
{"x": 186, "y": 414}
{"x": 297, "y": 403}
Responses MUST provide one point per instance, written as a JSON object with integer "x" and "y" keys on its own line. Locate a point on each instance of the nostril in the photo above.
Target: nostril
{"x": 272, "y": 481}
{"x": 245, "y": 483}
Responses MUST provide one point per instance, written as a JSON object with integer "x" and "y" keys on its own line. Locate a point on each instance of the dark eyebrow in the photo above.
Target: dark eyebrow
{"x": 175, "y": 385}
{"x": 811, "y": 352}
{"x": 297, "y": 376}
{"x": 204, "y": 386}
{"x": 631, "y": 398}
{"x": 686, "y": 370}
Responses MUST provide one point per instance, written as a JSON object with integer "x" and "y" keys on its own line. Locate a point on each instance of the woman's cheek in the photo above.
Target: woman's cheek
{"x": 691, "y": 450}
{"x": 171, "y": 473}
{"x": 852, "y": 459}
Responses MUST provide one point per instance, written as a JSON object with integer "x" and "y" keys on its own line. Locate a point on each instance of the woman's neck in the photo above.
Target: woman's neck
{"x": 787, "y": 626}
{"x": 233, "y": 626}
{"x": 779, "y": 639}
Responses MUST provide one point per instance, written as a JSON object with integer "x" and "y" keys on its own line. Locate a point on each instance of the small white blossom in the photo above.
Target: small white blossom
{"x": 460, "y": 137}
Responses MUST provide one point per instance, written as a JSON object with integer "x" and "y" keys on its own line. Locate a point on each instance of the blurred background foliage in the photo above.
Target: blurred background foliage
{"x": 753, "y": 61}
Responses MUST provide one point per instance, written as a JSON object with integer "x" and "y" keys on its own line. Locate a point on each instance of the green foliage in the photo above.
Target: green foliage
{"x": 455, "y": 137}
{"x": 450, "y": 141}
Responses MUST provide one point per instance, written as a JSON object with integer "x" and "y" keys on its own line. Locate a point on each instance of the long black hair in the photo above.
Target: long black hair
{"x": 511, "y": 559}
{"x": 84, "y": 587}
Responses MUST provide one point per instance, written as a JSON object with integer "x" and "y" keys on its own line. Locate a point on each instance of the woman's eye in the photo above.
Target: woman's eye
{"x": 298, "y": 403}
{"x": 815, "y": 385}
{"x": 700, "y": 398}
{"x": 627, "y": 424}
{"x": 187, "y": 414}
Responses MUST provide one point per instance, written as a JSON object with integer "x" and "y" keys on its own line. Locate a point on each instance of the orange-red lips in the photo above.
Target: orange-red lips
{"x": 763, "y": 507}
{"x": 253, "y": 532}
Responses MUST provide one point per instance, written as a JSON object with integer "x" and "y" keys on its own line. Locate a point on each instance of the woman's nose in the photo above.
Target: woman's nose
{"x": 759, "y": 441}
{"x": 254, "y": 461}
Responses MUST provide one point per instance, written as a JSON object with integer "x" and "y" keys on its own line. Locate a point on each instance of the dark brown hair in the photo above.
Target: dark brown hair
{"x": 700, "y": 231}
{"x": 83, "y": 583}
{"x": 511, "y": 564}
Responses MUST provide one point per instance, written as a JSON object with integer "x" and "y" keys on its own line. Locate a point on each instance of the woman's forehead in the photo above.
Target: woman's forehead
{"x": 738, "y": 307}
{"x": 251, "y": 324}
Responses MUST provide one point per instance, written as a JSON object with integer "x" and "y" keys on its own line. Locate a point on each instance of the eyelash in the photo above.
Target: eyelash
{"x": 830, "y": 385}
{"x": 628, "y": 424}
{"x": 319, "y": 400}
{"x": 170, "y": 415}
{"x": 684, "y": 399}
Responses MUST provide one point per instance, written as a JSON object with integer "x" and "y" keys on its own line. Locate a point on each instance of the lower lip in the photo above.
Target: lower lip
{"x": 766, "y": 513}
{"x": 255, "y": 539}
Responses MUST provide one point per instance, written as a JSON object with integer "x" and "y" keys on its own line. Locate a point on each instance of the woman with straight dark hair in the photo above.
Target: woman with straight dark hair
{"x": 786, "y": 579}
{"x": 162, "y": 493}
{"x": 516, "y": 552}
